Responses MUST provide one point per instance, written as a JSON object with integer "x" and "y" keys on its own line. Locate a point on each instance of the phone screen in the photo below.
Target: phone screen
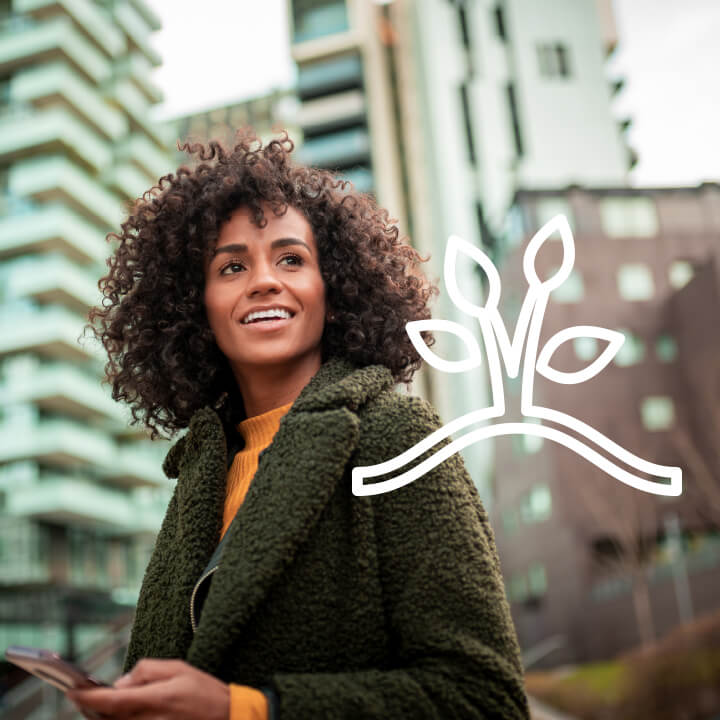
{"x": 51, "y": 668}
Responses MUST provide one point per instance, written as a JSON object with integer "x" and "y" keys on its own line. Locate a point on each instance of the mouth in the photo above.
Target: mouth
{"x": 266, "y": 324}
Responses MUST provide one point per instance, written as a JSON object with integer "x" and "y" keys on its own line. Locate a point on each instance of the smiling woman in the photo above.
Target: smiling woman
{"x": 261, "y": 305}
{"x": 265, "y": 300}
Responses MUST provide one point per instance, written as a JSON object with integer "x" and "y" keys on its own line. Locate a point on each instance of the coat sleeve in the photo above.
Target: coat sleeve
{"x": 456, "y": 653}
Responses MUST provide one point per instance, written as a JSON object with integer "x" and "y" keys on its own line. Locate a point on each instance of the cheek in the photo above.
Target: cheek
{"x": 213, "y": 307}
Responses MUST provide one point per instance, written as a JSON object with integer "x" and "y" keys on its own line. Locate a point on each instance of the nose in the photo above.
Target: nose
{"x": 262, "y": 279}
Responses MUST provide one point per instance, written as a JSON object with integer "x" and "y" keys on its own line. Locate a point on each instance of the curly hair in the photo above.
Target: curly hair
{"x": 163, "y": 359}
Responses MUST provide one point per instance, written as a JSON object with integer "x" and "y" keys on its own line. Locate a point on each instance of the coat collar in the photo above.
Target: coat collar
{"x": 296, "y": 476}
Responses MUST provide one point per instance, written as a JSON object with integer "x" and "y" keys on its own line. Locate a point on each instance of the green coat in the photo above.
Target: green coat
{"x": 381, "y": 606}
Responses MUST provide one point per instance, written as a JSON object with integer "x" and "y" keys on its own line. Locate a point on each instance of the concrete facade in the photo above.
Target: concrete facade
{"x": 81, "y": 493}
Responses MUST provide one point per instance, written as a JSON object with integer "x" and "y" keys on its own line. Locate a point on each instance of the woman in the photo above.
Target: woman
{"x": 262, "y": 306}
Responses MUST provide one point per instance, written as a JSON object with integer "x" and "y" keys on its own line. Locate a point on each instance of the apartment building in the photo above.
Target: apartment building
{"x": 81, "y": 493}
{"x": 573, "y": 539}
{"x": 444, "y": 108}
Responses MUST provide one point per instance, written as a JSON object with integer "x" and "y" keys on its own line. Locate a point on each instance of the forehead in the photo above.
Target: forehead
{"x": 241, "y": 228}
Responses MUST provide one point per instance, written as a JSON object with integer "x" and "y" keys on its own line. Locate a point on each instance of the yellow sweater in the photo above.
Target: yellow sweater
{"x": 248, "y": 703}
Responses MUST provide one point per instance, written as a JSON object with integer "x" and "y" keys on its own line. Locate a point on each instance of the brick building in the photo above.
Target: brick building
{"x": 646, "y": 264}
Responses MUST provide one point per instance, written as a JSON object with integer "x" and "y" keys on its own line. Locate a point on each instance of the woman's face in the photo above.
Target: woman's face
{"x": 272, "y": 267}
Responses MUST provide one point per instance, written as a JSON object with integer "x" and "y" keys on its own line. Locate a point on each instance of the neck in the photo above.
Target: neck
{"x": 266, "y": 387}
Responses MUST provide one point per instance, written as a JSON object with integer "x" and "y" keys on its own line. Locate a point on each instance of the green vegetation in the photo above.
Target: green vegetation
{"x": 677, "y": 677}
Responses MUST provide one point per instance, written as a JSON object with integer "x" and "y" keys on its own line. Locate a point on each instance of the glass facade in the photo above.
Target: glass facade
{"x": 314, "y": 19}
{"x": 324, "y": 77}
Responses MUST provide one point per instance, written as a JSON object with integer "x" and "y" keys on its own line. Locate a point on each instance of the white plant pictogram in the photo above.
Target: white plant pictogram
{"x": 522, "y": 350}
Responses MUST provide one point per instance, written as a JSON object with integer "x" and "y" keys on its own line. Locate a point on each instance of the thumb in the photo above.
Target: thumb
{"x": 150, "y": 670}
{"x": 124, "y": 681}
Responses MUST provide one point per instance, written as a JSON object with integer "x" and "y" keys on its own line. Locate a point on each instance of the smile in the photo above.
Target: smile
{"x": 269, "y": 324}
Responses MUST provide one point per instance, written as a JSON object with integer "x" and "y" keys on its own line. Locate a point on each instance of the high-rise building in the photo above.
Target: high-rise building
{"x": 444, "y": 108}
{"x": 82, "y": 494}
{"x": 594, "y": 567}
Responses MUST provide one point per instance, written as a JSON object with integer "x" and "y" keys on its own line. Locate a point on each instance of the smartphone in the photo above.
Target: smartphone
{"x": 49, "y": 666}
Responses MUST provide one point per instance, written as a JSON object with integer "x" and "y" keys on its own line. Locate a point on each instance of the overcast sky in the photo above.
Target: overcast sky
{"x": 669, "y": 54}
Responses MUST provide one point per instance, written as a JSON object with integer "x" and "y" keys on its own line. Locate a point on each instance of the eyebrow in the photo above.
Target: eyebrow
{"x": 241, "y": 247}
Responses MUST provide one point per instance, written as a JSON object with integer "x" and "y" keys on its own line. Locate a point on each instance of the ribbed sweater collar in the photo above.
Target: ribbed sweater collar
{"x": 258, "y": 431}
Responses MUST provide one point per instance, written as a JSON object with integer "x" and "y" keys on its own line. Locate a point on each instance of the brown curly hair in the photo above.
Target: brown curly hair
{"x": 163, "y": 359}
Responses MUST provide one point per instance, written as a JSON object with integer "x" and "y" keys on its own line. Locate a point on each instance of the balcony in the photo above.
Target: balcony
{"x": 146, "y": 156}
{"x": 139, "y": 71}
{"x": 52, "y": 279}
{"x": 129, "y": 99}
{"x": 128, "y": 181}
{"x": 87, "y": 16}
{"x": 30, "y": 43}
{"x": 56, "y": 82}
{"x": 58, "y": 388}
{"x": 56, "y": 179}
{"x": 337, "y": 150}
{"x": 332, "y": 75}
{"x": 29, "y": 560}
{"x": 137, "y": 463}
{"x": 313, "y": 20}
{"x": 28, "y": 133}
{"x": 68, "y": 443}
{"x": 72, "y": 500}
{"x": 51, "y": 332}
{"x": 331, "y": 112}
{"x": 51, "y": 228}
{"x": 147, "y": 14}
{"x": 137, "y": 30}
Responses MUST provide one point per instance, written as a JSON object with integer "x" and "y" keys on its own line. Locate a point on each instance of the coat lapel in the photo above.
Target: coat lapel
{"x": 296, "y": 476}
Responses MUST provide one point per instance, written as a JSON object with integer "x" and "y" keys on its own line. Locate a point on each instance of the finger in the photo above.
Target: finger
{"x": 144, "y": 699}
{"x": 150, "y": 670}
{"x": 124, "y": 681}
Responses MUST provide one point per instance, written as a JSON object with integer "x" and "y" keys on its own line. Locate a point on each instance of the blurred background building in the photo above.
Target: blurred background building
{"x": 81, "y": 494}
{"x": 594, "y": 567}
{"x": 485, "y": 119}
{"x": 478, "y": 118}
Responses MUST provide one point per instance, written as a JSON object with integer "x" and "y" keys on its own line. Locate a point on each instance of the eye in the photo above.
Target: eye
{"x": 233, "y": 264}
{"x": 299, "y": 260}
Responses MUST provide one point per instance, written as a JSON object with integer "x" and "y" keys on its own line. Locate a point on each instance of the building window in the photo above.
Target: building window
{"x": 665, "y": 348}
{"x": 499, "y": 16}
{"x": 547, "y": 208}
{"x": 635, "y": 282}
{"x": 327, "y": 76}
{"x": 467, "y": 122}
{"x": 658, "y": 412}
{"x": 537, "y": 579}
{"x": 586, "y": 348}
{"x": 554, "y": 60}
{"x": 515, "y": 120}
{"x": 572, "y": 290}
{"x": 532, "y": 443}
{"x": 629, "y": 217}
{"x": 632, "y": 351}
{"x": 536, "y": 506}
{"x": 517, "y": 589}
{"x": 680, "y": 273}
{"x": 317, "y": 18}
{"x": 510, "y": 521}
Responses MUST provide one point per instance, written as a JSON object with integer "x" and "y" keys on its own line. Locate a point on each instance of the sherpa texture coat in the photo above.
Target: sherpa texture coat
{"x": 382, "y": 606}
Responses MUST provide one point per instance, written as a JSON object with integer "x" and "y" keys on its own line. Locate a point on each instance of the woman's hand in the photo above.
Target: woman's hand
{"x": 159, "y": 690}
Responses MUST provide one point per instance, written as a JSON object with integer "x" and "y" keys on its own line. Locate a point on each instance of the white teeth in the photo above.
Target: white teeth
{"x": 266, "y": 314}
